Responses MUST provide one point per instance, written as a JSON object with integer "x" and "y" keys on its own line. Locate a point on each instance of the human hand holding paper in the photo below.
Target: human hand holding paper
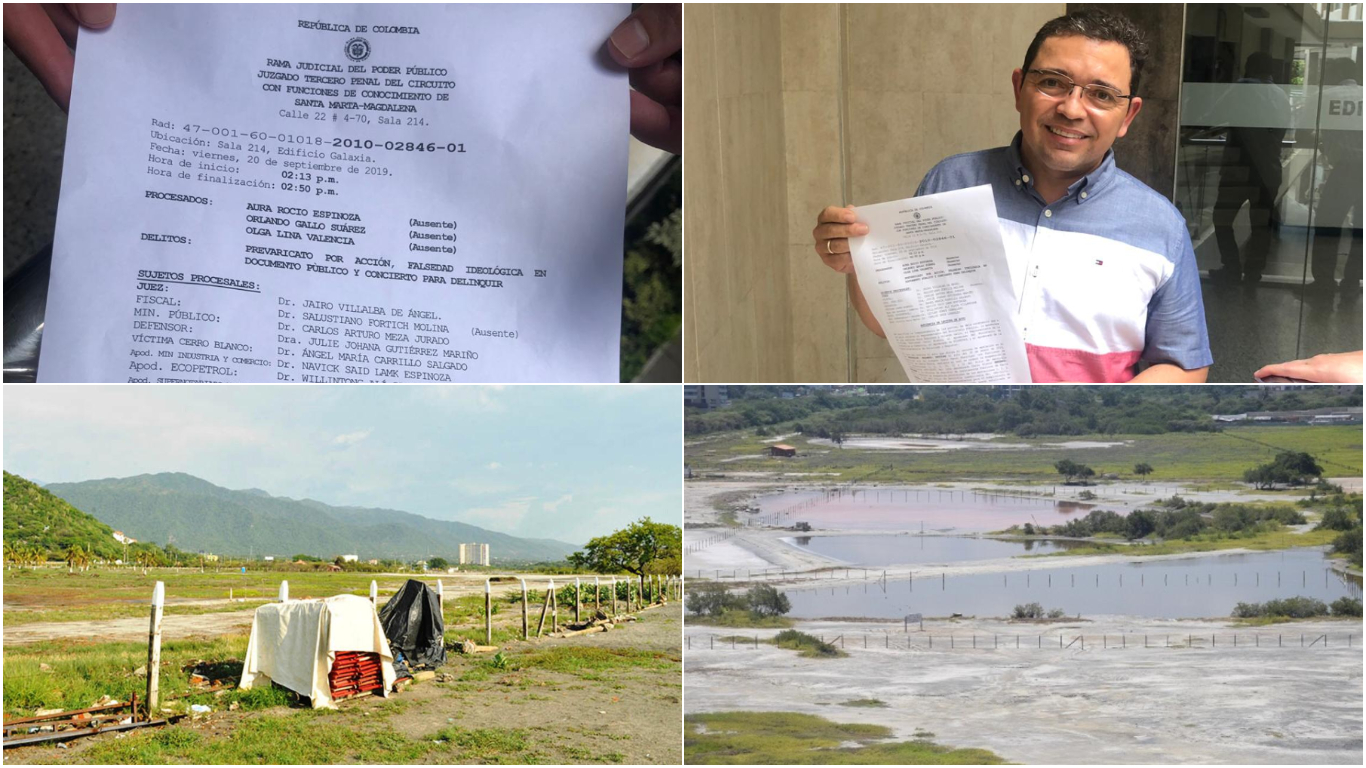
{"x": 934, "y": 273}
{"x": 342, "y": 193}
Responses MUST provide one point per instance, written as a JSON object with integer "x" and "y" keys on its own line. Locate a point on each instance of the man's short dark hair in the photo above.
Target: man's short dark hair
{"x": 1097, "y": 24}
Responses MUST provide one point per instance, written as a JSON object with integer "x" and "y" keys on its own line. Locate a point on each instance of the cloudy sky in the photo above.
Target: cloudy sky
{"x": 561, "y": 462}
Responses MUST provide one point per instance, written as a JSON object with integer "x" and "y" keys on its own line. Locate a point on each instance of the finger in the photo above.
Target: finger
{"x": 830, "y": 231}
{"x": 93, "y": 15}
{"x": 656, "y": 124}
{"x": 652, "y": 33}
{"x": 64, "y": 22}
{"x": 835, "y": 254}
{"x": 837, "y": 214}
{"x": 1293, "y": 369}
{"x": 30, "y": 34}
{"x": 662, "y": 82}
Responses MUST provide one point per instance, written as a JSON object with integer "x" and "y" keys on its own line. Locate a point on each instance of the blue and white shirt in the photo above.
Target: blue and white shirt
{"x": 1104, "y": 277}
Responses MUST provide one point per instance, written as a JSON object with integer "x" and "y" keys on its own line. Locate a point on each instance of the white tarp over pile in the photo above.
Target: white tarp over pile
{"x": 294, "y": 643}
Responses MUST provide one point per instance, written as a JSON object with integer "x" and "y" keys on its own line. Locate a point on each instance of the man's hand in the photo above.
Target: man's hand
{"x": 1341, "y": 368}
{"x": 42, "y": 36}
{"x": 834, "y": 227}
{"x": 647, "y": 43}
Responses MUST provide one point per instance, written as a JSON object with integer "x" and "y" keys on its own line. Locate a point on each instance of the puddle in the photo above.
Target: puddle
{"x": 905, "y": 549}
{"x": 1206, "y": 586}
{"x": 912, "y": 509}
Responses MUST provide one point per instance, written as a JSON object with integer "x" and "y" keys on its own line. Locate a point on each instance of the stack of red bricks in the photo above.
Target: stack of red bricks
{"x": 354, "y": 673}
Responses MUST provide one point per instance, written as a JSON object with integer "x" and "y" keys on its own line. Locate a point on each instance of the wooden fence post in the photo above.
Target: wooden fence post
{"x": 154, "y": 651}
{"x": 554, "y": 608}
{"x": 597, "y": 596}
{"x": 284, "y": 591}
{"x": 614, "y": 598}
{"x": 525, "y": 607}
{"x": 540, "y": 626}
{"x": 578, "y": 600}
{"x": 488, "y": 611}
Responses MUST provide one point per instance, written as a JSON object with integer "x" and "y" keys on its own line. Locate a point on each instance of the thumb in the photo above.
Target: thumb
{"x": 652, "y": 33}
{"x": 93, "y": 15}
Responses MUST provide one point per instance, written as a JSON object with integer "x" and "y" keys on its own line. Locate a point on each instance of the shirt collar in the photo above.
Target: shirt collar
{"x": 1091, "y": 183}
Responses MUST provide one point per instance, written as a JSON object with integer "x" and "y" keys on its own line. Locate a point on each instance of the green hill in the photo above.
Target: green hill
{"x": 198, "y": 515}
{"x": 34, "y": 517}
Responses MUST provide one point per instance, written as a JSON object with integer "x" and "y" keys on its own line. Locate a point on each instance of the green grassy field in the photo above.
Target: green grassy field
{"x": 788, "y": 738}
{"x": 1178, "y": 456}
{"x": 272, "y": 725}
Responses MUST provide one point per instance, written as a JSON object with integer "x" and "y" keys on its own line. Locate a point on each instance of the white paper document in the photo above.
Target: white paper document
{"x": 933, "y": 270}
{"x": 354, "y": 193}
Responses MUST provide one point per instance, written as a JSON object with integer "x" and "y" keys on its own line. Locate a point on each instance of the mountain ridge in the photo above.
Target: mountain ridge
{"x": 195, "y": 514}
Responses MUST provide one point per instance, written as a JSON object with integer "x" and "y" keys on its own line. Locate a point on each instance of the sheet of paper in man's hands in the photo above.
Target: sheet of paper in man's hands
{"x": 933, "y": 270}
{"x": 328, "y": 193}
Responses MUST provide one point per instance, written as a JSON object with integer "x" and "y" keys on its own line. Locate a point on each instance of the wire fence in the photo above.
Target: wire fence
{"x": 928, "y": 641}
{"x": 880, "y": 578}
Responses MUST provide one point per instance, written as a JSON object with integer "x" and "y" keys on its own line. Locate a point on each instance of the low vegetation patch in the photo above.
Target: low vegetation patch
{"x": 761, "y": 605}
{"x": 1036, "y": 611}
{"x": 742, "y": 619}
{"x": 579, "y": 660}
{"x": 1297, "y": 608}
{"x": 789, "y": 738}
{"x": 864, "y": 703}
{"x": 807, "y": 645}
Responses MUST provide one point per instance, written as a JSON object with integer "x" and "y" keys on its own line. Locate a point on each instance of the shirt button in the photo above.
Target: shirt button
{"x": 1048, "y": 214}
{"x": 1083, "y": 195}
{"x": 1026, "y": 178}
{"x": 1017, "y": 182}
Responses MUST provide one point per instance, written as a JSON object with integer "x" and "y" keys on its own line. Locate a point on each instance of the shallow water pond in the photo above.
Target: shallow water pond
{"x": 903, "y": 549}
{"x": 1204, "y": 586}
{"x": 913, "y": 509}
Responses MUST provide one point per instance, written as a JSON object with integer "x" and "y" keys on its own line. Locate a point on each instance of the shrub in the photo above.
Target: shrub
{"x": 713, "y": 600}
{"x": 1029, "y": 611}
{"x": 1056, "y": 613}
{"x": 1347, "y": 606}
{"x": 765, "y": 600}
{"x": 1289, "y": 607}
{"x": 1337, "y": 519}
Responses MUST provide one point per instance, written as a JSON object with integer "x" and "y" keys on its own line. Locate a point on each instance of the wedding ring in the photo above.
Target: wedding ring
{"x": 828, "y": 249}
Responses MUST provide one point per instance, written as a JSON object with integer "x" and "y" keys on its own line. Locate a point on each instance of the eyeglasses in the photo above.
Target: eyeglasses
{"x": 1059, "y": 86}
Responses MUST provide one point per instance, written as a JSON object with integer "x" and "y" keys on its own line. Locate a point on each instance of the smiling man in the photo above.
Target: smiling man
{"x": 1102, "y": 265}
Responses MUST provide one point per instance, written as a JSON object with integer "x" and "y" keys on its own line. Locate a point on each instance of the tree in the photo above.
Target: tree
{"x": 765, "y": 600}
{"x": 643, "y": 547}
{"x": 1070, "y": 469}
{"x": 1300, "y": 468}
{"x": 712, "y": 599}
{"x": 1143, "y": 470}
{"x": 438, "y": 564}
{"x": 75, "y": 557}
{"x": 1140, "y": 523}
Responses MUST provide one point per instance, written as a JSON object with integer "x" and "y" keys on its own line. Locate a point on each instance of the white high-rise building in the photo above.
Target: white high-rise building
{"x": 474, "y": 554}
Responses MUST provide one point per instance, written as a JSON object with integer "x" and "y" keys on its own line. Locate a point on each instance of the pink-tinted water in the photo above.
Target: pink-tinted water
{"x": 911, "y": 509}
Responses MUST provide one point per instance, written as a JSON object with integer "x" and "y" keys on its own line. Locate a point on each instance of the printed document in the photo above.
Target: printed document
{"x": 355, "y": 193}
{"x": 933, "y": 270}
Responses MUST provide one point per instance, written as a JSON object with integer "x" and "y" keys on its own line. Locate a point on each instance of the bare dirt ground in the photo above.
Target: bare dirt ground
{"x": 633, "y": 713}
{"x": 1131, "y": 705}
{"x": 629, "y": 714}
{"x": 116, "y": 630}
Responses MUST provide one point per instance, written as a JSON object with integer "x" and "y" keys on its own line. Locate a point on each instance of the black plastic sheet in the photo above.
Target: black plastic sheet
{"x": 413, "y": 623}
